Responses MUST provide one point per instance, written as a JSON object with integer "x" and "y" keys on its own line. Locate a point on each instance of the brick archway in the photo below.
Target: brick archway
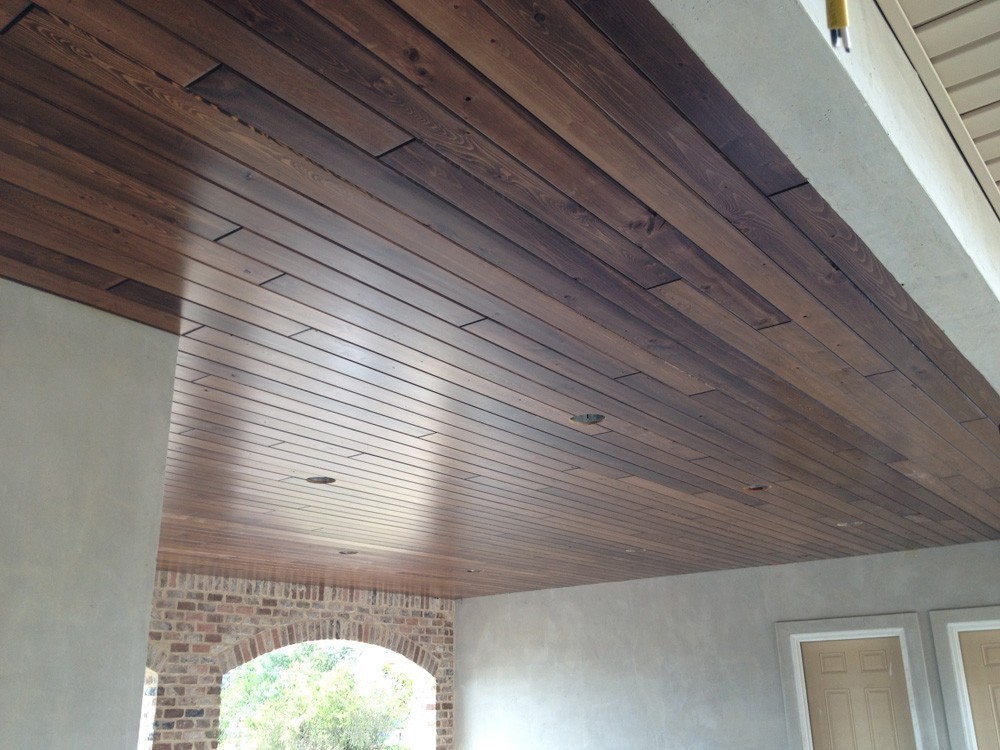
{"x": 204, "y": 626}
{"x": 332, "y": 629}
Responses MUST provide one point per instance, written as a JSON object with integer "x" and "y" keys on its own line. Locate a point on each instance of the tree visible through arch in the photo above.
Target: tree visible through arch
{"x": 328, "y": 695}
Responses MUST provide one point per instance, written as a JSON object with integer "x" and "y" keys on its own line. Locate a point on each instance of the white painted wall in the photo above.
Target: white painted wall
{"x": 685, "y": 662}
{"x": 862, "y": 129}
{"x": 84, "y": 413}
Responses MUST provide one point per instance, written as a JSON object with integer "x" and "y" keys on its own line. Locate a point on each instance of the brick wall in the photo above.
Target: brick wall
{"x": 203, "y": 626}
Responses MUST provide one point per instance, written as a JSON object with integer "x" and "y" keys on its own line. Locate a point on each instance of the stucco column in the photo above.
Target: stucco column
{"x": 84, "y": 408}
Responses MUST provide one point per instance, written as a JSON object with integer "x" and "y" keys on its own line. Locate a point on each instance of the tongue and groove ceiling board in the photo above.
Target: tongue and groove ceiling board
{"x": 403, "y": 243}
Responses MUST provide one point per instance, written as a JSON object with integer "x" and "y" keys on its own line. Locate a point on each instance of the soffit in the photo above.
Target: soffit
{"x": 954, "y": 46}
{"x": 403, "y": 243}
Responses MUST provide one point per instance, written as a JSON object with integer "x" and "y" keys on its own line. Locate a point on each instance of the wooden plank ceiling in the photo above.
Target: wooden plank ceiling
{"x": 403, "y": 243}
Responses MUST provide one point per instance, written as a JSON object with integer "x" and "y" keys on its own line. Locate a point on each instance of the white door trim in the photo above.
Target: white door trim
{"x": 906, "y": 626}
{"x": 946, "y": 625}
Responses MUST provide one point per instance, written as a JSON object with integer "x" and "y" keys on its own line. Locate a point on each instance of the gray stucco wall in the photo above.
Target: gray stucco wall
{"x": 687, "y": 662}
{"x": 84, "y": 414}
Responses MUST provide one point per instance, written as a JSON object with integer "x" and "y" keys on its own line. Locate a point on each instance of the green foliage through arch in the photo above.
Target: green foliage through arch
{"x": 314, "y": 696}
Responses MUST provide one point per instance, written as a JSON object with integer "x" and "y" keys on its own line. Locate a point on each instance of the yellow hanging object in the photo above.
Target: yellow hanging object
{"x": 836, "y": 21}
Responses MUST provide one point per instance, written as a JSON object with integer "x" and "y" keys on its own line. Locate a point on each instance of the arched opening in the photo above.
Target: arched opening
{"x": 328, "y": 693}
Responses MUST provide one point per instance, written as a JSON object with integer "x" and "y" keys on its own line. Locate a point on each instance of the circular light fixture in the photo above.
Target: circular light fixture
{"x": 320, "y": 480}
{"x": 757, "y": 487}
{"x": 587, "y": 418}
{"x": 348, "y": 552}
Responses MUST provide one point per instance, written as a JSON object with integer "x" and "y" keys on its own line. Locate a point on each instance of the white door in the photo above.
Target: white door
{"x": 981, "y": 659}
{"x": 856, "y": 694}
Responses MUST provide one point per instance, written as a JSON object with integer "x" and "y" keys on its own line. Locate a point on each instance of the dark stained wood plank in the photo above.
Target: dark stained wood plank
{"x": 149, "y": 296}
{"x": 657, "y": 364}
{"x": 451, "y": 534}
{"x": 384, "y": 379}
{"x": 677, "y": 146}
{"x": 186, "y": 373}
{"x": 240, "y": 369}
{"x": 314, "y": 43}
{"x": 822, "y": 225}
{"x": 442, "y": 178}
{"x": 142, "y": 208}
{"x": 305, "y": 545}
{"x": 430, "y": 317}
{"x": 150, "y": 169}
{"x": 469, "y": 428}
{"x": 407, "y": 512}
{"x": 36, "y": 276}
{"x": 601, "y": 530}
{"x": 95, "y": 140}
{"x": 343, "y": 414}
{"x": 758, "y": 520}
{"x": 832, "y": 493}
{"x": 875, "y": 483}
{"x": 240, "y": 49}
{"x": 486, "y": 43}
{"x": 10, "y": 11}
{"x": 681, "y": 323}
{"x": 407, "y": 232}
{"x": 986, "y": 471}
{"x": 539, "y": 27}
{"x": 987, "y": 432}
{"x": 425, "y": 63}
{"x": 214, "y": 404}
{"x": 638, "y": 29}
{"x": 696, "y": 420}
{"x": 878, "y": 522}
{"x": 710, "y": 277}
{"x": 438, "y": 359}
{"x": 982, "y": 500}
{"x": 423, "y": 119}
{"x": 359, "y": 477}
{"x": 768, "y": 437}
{"x": 973, "y": 503}
{"x": 256, "y": 107}
{"x": 318, "y": 340}
{"x": 571, "y": 45}
{"x": 928, "y": 505}
{"x": 379, "y": 288}
{"x": 895, "y": 426}
{"x": 30, "y": 254}
{"x": 764, "y": 412}
{"x": 135, "y": 36}
{"x": 123, "y": 253}
{"x": 538, "y": 352}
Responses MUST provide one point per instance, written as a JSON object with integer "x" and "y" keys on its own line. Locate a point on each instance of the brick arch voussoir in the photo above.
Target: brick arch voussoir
{"x": 156, "y": 657}
{"x": 288, "y": 634}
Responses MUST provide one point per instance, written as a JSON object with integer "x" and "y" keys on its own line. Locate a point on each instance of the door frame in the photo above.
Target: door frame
{"x": 905, "y": 626}
{"x": 946, "y": 624}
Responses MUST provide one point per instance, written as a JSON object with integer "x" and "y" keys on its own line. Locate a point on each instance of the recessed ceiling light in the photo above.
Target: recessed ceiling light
{"x": 587, "y": 418}
{"x": 848, "y": 524}
{"x": 320, "y": 480}
{"x": 473, "y": 570}
{"x": 348, "y": 552}
{"x": 757, "y": 487}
